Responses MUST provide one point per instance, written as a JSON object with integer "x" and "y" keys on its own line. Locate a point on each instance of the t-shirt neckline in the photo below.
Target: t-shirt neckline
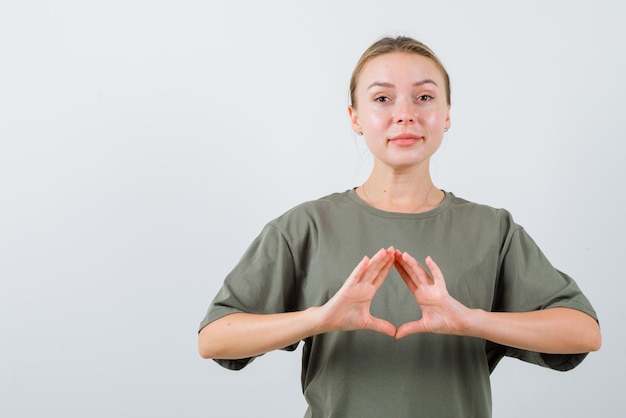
{"x": 378, "y": 212}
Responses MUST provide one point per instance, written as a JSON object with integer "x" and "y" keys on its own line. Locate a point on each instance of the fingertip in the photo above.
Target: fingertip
{"x": 384, "y": 327}
{"x": 430, "y": 262}
{"x": 381, "y": 252}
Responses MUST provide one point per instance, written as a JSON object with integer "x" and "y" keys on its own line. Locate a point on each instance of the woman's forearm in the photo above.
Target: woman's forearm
{"x": 550, "y": 331}
{"x": 242, "y": 335}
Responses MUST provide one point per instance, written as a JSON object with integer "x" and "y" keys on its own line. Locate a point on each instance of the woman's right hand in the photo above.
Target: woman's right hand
{"x": 349, "y": 308}
{"x": 242, "y": 335}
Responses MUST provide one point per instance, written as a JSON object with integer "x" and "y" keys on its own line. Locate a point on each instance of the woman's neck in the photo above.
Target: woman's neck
{"x": 409, "y": 192}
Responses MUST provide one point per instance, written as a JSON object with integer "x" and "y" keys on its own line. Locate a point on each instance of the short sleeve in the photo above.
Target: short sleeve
{"x": 262, "y": 282}
{"x": 526, "y": 282}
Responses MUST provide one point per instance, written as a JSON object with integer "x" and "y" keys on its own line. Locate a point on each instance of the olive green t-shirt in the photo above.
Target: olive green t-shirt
{"x": 303, "y": 257}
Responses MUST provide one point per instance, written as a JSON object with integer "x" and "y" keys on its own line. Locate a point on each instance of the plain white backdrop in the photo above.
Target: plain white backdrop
{"x": 143, "y": 145}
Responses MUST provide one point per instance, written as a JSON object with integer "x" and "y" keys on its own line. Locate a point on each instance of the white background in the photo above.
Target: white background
{"x": 143, "y": 145}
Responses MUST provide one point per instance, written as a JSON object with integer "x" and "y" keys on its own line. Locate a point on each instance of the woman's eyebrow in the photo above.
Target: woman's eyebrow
{"x": 425, "y": 81}
{"x": 390, "y": 85}
{"x": 380, "y": 84}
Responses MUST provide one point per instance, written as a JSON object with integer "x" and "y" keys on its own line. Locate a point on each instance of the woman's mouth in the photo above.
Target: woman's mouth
{"x": 405, "y": 140}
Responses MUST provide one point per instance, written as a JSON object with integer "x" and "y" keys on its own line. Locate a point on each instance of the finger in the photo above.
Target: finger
{"x": 380, "y": 254}
{"x": 400, "y": 264}
{"x": 437, "y": 275}
{"x": 368, "y": 267}
{"x": 401, "y": 270}
{"x": 358, "y": 272}
{"x": 416, "y": 270}
{"x": 409, "y": 328}
{"x": 375, "y": 266}
{"x": 378, "y": 259}
{"x": 424, "y": 275}
{"x": 406, "y": 277}
{"x": 382, "y": 326}
{"x": 378, "y": 280}
{"x": 401, "y": 261}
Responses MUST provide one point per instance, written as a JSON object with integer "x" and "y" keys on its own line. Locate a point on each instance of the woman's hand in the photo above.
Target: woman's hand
{"x": 441, "y": 313}
{"x": 349, "y": 308}
{"x": 242, "y": 335}
{"x": 554, "y": 330}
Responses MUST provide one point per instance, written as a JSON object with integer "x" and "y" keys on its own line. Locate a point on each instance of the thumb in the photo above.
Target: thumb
{"x": 382, "y": 326}
{"x": 409, "y": 328}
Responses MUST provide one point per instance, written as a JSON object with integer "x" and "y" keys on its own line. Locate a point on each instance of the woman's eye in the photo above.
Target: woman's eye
{"x": 425, "y": 98}
{"x": 381, "y": 99}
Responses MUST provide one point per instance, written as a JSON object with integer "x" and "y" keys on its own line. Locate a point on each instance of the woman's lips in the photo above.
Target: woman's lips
{"x": 405, "y": 140}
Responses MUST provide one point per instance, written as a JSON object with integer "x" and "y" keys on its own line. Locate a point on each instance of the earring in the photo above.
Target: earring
{"x": 359, "y": 133}
{"x": 445, "y": 129}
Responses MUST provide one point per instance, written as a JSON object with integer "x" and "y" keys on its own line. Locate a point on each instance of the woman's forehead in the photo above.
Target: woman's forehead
{"x": 399, "y": 67}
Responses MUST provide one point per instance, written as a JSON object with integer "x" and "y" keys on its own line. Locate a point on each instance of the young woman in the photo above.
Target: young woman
{"x": 385, "y": 335}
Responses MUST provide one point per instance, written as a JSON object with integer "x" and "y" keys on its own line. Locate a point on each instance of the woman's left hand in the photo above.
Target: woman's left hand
{"x": 441, "y": 313}
{"x": 555, "y": 330}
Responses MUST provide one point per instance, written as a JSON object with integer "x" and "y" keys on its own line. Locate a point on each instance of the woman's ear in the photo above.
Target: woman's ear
{"x": 354, "y": 119}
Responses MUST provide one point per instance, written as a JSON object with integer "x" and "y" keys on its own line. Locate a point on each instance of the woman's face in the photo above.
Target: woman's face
{"x": 401, "y": 109}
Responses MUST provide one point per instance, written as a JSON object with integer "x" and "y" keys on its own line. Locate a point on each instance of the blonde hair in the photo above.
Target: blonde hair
{"x": 399, "y": 44}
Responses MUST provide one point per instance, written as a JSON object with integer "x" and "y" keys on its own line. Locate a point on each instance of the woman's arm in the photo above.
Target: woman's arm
{"x": 552, "y": 331}
{"x": 243, "y": 335}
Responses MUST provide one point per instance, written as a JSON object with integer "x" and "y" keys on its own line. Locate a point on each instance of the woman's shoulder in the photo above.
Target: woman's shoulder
{"x": 465, "y": 204}
{"x": 308, "y": 218}
{"x": 338, "y": 201}
{"x": 477, "y": 212}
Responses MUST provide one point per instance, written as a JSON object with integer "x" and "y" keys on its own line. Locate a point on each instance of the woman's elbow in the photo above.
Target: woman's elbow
{"x": 590, "y": 333}
{"x": 206, "y": 347}
{"x": 203, "y": 351}
{"x": 595, "y": 341}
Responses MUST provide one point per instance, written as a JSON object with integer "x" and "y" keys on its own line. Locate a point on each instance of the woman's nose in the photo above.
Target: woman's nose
{"x": 405, "y": 112}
